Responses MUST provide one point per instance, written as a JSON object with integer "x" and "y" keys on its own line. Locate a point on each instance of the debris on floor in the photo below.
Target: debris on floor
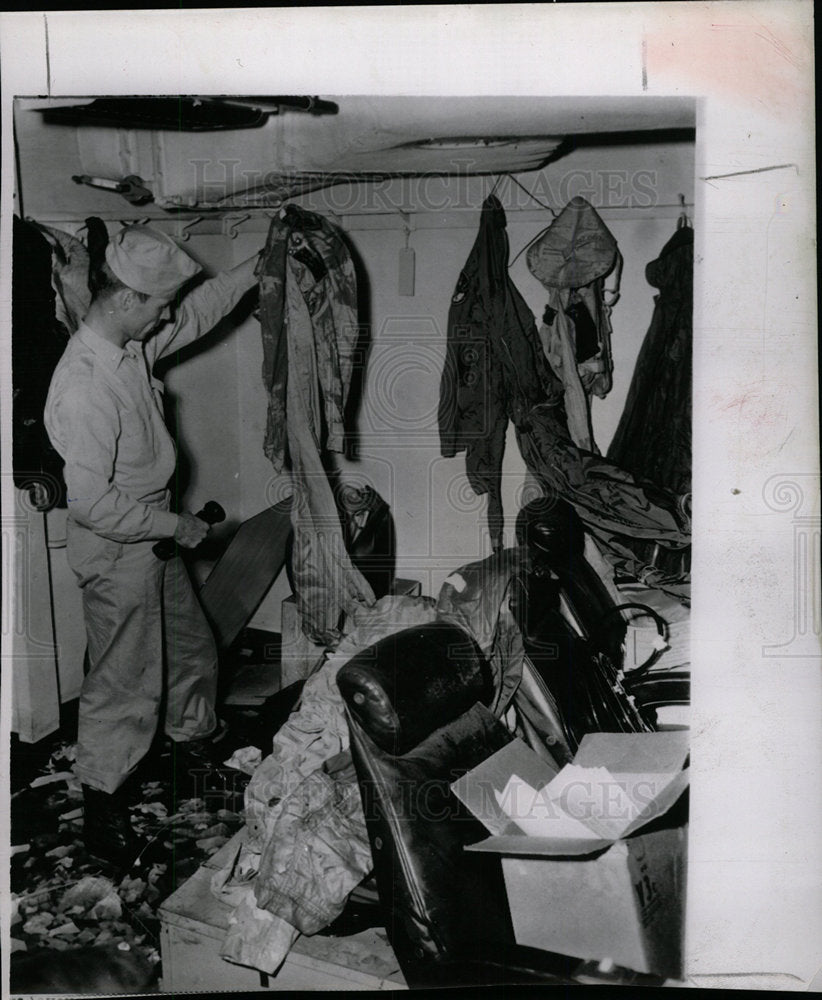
{"x": 64, "y": 900}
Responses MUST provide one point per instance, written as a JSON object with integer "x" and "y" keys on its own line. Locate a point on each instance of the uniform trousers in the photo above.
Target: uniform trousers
{"x": 152, "y": 656}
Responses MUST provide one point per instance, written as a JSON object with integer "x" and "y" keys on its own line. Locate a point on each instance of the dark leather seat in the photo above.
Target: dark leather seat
{"x": 418, "y": 721}
{"x": 416, "y": 705}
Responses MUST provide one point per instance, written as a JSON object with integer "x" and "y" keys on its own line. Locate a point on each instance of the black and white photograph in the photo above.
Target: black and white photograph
{"x": 410, "y": 502}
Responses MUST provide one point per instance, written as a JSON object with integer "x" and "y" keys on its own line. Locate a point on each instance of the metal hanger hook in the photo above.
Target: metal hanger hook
{"x": 185, "y": 235}
{"x": 233, "y": 227}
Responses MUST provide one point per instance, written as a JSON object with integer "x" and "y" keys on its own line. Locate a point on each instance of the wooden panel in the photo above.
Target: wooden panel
{"x": 253, "y": 560}
{"x": 194, "y": 923}
{"x": 192, "y": 961}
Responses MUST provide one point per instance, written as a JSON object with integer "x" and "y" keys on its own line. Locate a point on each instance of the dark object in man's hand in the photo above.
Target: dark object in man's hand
{"x": 212, "y": 513}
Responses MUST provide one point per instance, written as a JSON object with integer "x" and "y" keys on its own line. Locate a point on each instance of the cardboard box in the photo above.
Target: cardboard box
{"x": 597, "y": 875}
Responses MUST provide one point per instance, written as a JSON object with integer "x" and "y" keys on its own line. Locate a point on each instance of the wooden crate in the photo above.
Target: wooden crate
{"x": 193, "y": 926}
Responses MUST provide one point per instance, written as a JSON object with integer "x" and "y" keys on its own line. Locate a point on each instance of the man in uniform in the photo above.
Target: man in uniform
{"x": 152, "y": 657}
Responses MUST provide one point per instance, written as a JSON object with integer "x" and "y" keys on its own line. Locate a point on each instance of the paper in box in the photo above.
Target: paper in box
{"x": 585, "y": 873}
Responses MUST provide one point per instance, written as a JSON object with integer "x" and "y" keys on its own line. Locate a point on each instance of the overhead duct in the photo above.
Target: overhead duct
{"x": 266, "y": 157}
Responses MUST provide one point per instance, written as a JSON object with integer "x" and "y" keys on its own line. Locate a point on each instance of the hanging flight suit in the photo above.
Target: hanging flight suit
{"x": 495, "y": 369}
{"x": 308, "y": 315}
{"x": 571, "y": 260}
{"x": 653, "y": 438}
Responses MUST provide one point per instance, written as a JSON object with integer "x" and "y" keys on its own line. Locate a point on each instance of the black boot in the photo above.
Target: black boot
{"x": 197, "y": 765}
{"x": 205, "y": 754}
{"x": 107, "y": 830}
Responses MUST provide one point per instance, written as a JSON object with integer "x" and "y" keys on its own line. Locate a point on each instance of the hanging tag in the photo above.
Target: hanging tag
{"x": 407, "y": 265}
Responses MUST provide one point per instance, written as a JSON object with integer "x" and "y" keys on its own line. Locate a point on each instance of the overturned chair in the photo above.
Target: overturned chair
{"x": 416, "y": 710}
{"x": 416, "y": 704}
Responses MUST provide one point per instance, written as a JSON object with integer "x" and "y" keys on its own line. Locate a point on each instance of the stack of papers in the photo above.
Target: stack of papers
{"x": 587, "y": 803}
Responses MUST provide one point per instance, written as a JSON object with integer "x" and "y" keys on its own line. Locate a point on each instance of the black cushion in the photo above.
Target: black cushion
{"x": 409, "y": 684}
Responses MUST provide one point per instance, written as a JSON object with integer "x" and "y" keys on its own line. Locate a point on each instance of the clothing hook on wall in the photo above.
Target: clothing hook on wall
{"x": 233, "y": 226}
{"x": 406, "y": 225}
{"x": 185, "y": 234}
{"x": 407, "y": 260}
{"x": 683, "y": 221}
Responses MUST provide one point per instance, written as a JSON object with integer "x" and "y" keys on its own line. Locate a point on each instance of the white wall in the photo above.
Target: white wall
{"x": 221, "y": 404}
{"x": 440, "y": 524}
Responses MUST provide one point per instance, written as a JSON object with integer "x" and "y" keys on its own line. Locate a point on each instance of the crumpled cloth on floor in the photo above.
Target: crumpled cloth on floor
{"x": 307, "y": 846}
{"x": 319, "y": 850}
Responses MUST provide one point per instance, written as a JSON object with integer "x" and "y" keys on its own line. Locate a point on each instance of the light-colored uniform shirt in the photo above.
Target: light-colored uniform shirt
{"x": 104, "y": 416}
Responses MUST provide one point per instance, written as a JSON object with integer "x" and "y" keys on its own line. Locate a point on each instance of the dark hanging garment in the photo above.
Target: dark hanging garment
{"x": 96, "y": 242}
{"x": 38, "y": 341}
{"x": 495, "y": 370}
{"x": 653, "y": 439}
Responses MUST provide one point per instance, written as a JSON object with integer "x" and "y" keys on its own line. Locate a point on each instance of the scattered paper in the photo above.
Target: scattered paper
{"x": 59, "y": 852}
{"x": 154, "y": 809}
{"x": 39, "y": 923}
{"x": 88, "y": 891}
{"x": 108, "y": 908}
{"x": 67, "y": 929}
{"x": 536, "y": 815}
{"x": 48, "y": 779}
{"x": 585, "y": 803}
{"x": 246, "y": 759}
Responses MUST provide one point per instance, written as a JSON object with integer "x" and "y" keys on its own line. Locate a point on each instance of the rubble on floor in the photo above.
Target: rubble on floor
{"x": 63, "y": 899}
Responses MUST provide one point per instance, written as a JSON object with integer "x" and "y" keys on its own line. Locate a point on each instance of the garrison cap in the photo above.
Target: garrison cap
{"x": 149, "y": 261}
